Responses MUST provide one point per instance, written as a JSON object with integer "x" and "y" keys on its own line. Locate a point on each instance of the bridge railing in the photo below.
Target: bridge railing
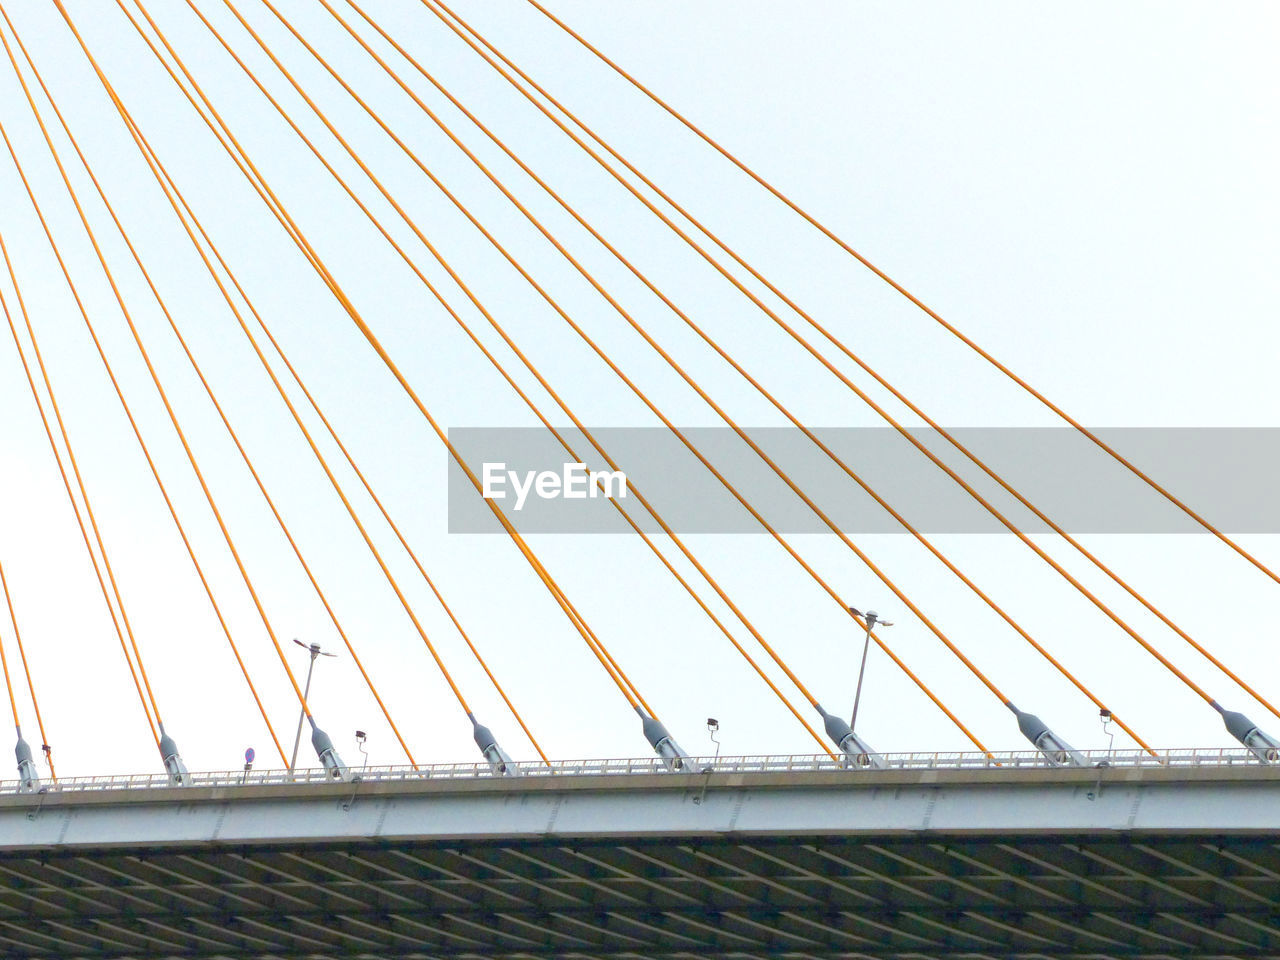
{"x": 648, "y": 766}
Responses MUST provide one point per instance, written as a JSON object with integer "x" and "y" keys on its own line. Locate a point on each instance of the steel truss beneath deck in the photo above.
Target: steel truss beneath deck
{"x": 614, "y": 867}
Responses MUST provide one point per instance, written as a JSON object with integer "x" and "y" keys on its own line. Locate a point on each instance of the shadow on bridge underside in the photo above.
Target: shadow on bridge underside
{"x": 1138, "y": 895}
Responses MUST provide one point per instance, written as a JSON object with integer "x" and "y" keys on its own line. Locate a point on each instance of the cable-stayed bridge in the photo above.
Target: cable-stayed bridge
{"x": 259, "y": 256}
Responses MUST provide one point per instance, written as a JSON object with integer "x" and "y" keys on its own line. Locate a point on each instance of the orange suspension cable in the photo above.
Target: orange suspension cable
{"x": 582, "y": 334}
{"x": 163, "y": 396}
{"x": 84, "y": 313}
{"x": 602, "y": 650}
{"x": 66, "y": 482}
{"x": 580, "y": 220}
{"x": 594, "y": 641}
{"x": 499, "y": 247}
{"x": 947, "y": 435}
{"x": 168, "y": 316}
{"x": 950, "y": 328}
{"x": 264, "y": 191}
{"x": 551, "y": 301}
{"x": 260, "y": 185}
{"x": 794, "y": 306}
{"x": 26, "y": 669}
{"x": 689, "y": 322}
{"x": 4, "y": 661}
{"x": 404, "y": 543}
{"x": 376, "y": 500}
{"x": 733, "y": 640}
{"x": 1150, "y": 649}
{"x": 171, "y": 192}
{"x": 146, "y": 149}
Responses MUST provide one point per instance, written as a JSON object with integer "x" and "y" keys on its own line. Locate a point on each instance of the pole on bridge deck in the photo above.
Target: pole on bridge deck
{"x": 315, "y": 651}
{"x": 870, "y": 618}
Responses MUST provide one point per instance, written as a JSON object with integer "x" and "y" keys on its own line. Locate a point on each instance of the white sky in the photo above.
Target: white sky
{"x": 1088, "y": 190}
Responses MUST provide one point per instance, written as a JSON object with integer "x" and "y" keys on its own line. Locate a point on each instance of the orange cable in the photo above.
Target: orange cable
{"x": 31, "y": 687}
{"x": 378, "y": 502}
{"x": 282, "y": 215}
{"x": 160, "y": 389}
{"x": 531, "y": 405}
{"x": 829, "y": 336}
{"x": 262, "y": 488}
{"x": 4, "y": 661}
{"x": 1150, "y": 649}
{"x": 75, "y": 467}
{"x": 577, "y": 217}
{"x": 171, "y": 192}
{"x": 962, "y": 448}
{"x": 593, "y": 642}
{"x": 640, "y": 393}
{"x": 443, "y": 190}
{"x": 827, "y": 232}
{"x": 85, "y": 314}
{"x": 273, "y": 203}
{"x": 527, "y": 363}
{"x": 26, "y": 669}
{"x": 209, "y": 391}
{"x": 168, "y": 316}
{"x": 709, "y": 341}
{"x": 598, "y": 647}
{"x": 569, "y": 607}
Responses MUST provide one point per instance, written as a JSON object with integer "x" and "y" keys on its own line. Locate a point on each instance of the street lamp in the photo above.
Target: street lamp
{"x": 315, "y": 651}
{"x": 871, "y": 618}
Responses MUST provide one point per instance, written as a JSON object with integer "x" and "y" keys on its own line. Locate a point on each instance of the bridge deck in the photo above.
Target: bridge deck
{"x": 993, "y": 862}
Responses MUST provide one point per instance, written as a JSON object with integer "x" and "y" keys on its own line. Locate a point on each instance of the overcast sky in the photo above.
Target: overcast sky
{"x": 1087, "y": 190}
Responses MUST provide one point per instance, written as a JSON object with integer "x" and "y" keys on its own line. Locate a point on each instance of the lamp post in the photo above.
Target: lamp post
{"x": 315, "y": 651}
{"x": 871, "y": 618}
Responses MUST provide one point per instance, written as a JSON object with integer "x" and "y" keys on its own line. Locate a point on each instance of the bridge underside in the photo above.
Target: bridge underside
{"x": 813, "y": 896}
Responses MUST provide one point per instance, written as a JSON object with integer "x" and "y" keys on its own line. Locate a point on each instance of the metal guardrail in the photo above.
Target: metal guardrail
{"x": 648, "y": 766}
